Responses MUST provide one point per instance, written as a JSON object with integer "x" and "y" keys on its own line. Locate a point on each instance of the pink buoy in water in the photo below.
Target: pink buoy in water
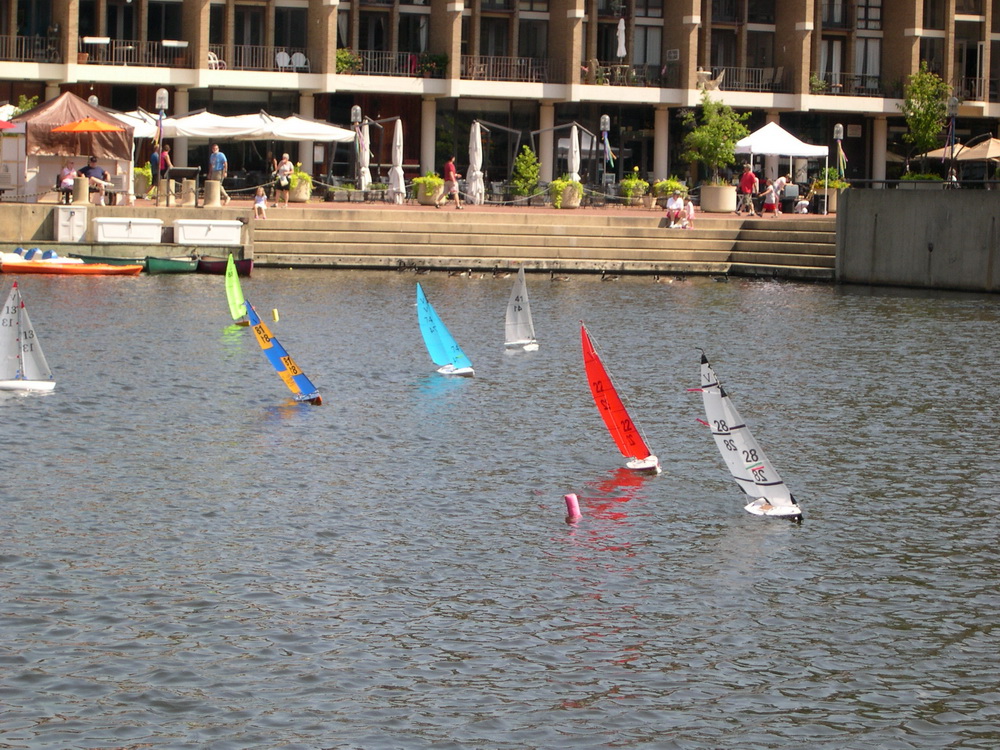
{"x": 572, "y": 508}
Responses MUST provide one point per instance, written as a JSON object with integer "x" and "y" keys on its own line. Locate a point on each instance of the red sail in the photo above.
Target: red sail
{"x": 613, "y": 412}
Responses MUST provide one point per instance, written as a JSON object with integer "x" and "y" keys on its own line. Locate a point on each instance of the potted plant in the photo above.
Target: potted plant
{"x": 566, "y": 193}
{"x": 920, "y": 181}
{"x": 142, "y": 178}
{"x": 524, "y": 174}
{"x": 633, "y": 187}
{"x": 816, "y": 84}
{"x": 347, "y": 61}
{"x": 432, "y": 65}
{"x": 429, "y": 188}
{"x": 300, "y": 185}
{"x": 712, "y": 141}
{"x": 829, "y": 184}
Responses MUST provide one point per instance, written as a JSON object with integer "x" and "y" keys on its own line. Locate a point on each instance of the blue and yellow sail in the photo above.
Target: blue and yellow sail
{"x": 298, "y": 383}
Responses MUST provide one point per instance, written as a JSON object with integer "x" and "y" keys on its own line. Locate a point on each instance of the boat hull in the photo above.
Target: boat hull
{"x": 109, "y": 261}
{"x": 76, "y": 269}
{"x": 37, "y": 386}
{"x": 762, "y": 507}
{"x": 217, "y": 266}
{"x": 466, "y": 372}
{"x": 171, "y": 265}
{"x": 529, "y": 345}
{"x": 647, "y": 465}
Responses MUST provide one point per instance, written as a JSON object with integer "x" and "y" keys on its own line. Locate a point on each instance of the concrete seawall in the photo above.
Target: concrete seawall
{"x": 931, "y": 239}
{"x": 615, "y": 239}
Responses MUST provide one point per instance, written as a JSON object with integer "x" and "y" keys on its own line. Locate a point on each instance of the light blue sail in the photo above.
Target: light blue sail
{"x": 441, "y": 345}
{"x": 301, "y": 387}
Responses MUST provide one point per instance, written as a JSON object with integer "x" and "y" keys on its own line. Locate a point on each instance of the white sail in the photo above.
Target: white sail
{"x": 520, "y": 331}
{"x": 747, "y": 462}
{"x": 22, "y": 364}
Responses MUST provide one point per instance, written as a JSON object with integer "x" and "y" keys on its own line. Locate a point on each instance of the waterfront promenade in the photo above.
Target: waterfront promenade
{"x": 606, "y": 238}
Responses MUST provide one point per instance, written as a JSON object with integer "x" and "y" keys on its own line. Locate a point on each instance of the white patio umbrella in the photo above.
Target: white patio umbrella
{"x": 364, "y": 158}
{"x": 397, "y": 182}
{"x": 573, "y": 162}
{"x": 475, "y": 186}
{"x": 621, "y": 37}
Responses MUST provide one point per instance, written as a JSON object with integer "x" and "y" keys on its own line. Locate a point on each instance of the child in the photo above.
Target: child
{"x": 770, "y": 199}
{"x": 260, "y": 204}
{"x": 688, "y": 217}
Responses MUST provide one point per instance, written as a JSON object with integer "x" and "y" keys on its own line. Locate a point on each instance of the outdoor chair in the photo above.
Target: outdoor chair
{"x": 282, "y": 61}
{"x": 214, "y": 63}
{"x": 300, "y": 62}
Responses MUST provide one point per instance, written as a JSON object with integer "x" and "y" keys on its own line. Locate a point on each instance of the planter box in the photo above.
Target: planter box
{"x": 570, "y": 198}
{"x": 718, "y": 199}
{"x": 428, "y": 200}
{"x": 207, "y": 232}
{"x": 300, "y": 193}
{"x": 121, "y": 230}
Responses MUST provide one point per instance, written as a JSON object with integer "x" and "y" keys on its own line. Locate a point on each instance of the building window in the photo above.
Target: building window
{"x": 723, "y": 53}
{"x": 413, "y": 32}
{"x": 932, "y": 52}
{"x": 934, "y": 12}
{"x": 372, "y": 31}
{"x": 494, "y": 36}
{"x": 760, "y": 11}
{"x": 649, "y": 8}
{"x": 532, "y": 39}
{"x": 216, "y": 24}
{"x": 164, "y": 21}
{"x": 760, "y": 49}
{"x": 290, "y": 26}
{"x": 648, "y": 40}
{"x": 870, "y": 14}
{"x": 538, "y": 6}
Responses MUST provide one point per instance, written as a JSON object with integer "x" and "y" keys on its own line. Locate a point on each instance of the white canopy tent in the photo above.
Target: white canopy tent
{"x": 773, "y": 140}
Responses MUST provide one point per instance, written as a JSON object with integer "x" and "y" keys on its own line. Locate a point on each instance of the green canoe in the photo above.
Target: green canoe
{"x": 171, "y": 265}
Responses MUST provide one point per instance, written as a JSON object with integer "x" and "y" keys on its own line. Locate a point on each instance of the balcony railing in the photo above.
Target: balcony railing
{"x": 125, "y": 52}
{"x": 973, "y": 89}
{"x": 621, "y": 74}
{"x": 751, "y": 79}
{"x": 259, "y": 57}
{"x": 377, "y": 63}
{"x": 849, "y": 84}
{"x": 42, "y": 49}
{"x": 496, "y": 68}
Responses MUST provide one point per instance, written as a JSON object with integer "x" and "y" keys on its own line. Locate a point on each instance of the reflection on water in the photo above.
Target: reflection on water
{"x": 191, "y": 559}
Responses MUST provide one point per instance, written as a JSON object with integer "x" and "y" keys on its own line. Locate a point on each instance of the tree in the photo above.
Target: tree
{"x": 713, "y": 141}
{"x": 925, "y": 107}
{"x": 524, "y": 175}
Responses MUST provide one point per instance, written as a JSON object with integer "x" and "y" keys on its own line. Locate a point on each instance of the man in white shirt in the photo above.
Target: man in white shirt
{"x": 675, "y": 209}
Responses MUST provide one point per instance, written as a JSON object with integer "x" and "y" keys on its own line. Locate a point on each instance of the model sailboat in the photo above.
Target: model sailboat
{"x": 301, "y": 387}
{"x": 234, "y": 294}
{"x": 746, "y": 460}
{"x": 22, "y": 364}
{"x": 519, "y": 330}
{"x": 441, "y": 345}
{"x": 622, "y": 427}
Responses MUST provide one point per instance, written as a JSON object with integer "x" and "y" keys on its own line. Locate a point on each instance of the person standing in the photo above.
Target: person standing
{"x": 282, "y": 180}
{"x": 218, "y": 168}
{"x": 748, "y": 187}
{"x": 451, "y": 177}
{"x": 770, "y": 194}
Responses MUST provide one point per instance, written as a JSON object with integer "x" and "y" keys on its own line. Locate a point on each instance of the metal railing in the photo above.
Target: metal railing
{"x": 42, "y": 49}
{"x": 750, "y": 79}
{"x": 849, "y": 84}
{"x": 497, "y": 68}
{"x": 256, "y": 57}
{"x": 378, "y": 63}
{"x": 127, "y": 52}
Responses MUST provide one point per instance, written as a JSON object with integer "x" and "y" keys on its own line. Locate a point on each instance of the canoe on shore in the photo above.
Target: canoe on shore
{"x": 77, "y": 268}
{"x": 184, "y": 264}
{"x": 217, "y": 266}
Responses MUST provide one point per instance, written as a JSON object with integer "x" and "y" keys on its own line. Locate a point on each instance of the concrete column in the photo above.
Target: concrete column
{"x": 546, "y": 150}
{"x": 661, "y": 143}
{"x": 880, "y": 135}
{"x": 81, "y": 190}
{"x": 179, "y": 151}
{"x": 307, "y": 108}
{"x": 212, "y": 193}
{"x": 771, "y": 161}
{"x": 52, "y": 90}
{"x": 428, "y": 128}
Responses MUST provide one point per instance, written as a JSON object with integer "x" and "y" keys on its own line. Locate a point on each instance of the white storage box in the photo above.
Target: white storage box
{"x": 124, "y": 230}
{"x": 207, "y": 232}
{"x": 71, "y": 223}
